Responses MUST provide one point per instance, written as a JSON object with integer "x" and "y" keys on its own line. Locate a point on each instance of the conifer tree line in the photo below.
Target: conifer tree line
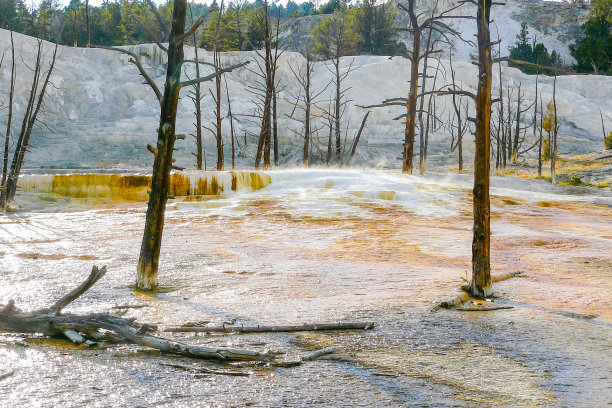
{"x": 126, "y": 22}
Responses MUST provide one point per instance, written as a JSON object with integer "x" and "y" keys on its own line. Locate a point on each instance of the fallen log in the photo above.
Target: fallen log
{"x": 484, "y": 309}
{"x": 272, "y": 329}
{"x": 310, "y": 357}
{"x": 205, "y": 370}
{"x": 96, "y": 327}
{"x": 505, "y": 276}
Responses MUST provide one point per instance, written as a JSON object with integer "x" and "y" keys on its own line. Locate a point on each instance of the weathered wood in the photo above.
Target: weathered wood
{"x": 484, "y": 309}
{"x": 160, "y": 180}
{"x": 7, "y": 137}
{"x": 93, "y": 277}
{"x": 81, "y": 328}
{"x": 120, "y": 307}
{"x": 320, "y": 353}
{"x": 312, "y": 356}
{"x": 6, "y": 375}
{"x": 505, "y": 276}
{"x": 206, "y": 370}
{"x": 357, "y": 137}
{"x": 74, "y": 337}
{"x": 273, "y": 329}
{"x": 481, "y": 262}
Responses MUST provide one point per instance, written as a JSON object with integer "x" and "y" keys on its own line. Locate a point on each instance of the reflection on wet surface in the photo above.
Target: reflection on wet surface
{"x": 321, "y": 246}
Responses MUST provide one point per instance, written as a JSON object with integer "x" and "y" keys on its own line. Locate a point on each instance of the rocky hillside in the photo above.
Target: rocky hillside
{"x": 99, "y": 114}
{"x": 555, "y": 24}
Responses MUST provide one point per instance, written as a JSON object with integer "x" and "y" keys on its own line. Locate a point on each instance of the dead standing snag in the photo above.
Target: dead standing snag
{"x": 163, "y": 151}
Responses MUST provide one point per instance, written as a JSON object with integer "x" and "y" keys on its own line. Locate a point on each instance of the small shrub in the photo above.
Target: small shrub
{"x": 608, "y": 141}
{"x": 574, "y": 181}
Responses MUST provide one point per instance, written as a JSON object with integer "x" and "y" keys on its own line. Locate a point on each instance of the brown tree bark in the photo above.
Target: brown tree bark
{"x": 481, "y": 263}
{"x": 434, "y": 22}
{"x": 409, "y": 132}
{"x": 154, "y": 223}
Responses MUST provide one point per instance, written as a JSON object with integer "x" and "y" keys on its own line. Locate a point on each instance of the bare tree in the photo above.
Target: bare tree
{"x": 305, "y": 100}
{"x": 231, "y": 118}
{"x": 217, "y": 129}
{"x": 196, "y": 96}
{"x": 461, "y": 120}
{"x": 30, "y": 118}
{"x": 540, "y": 139}
{"x": 433, "y": 23}
{"x": 553, "y": 144}
{"x": 166, "y": 136}
{"x": 267, "y": 65}
{"x": 3, "y": 199}
{"x": 334, "y": 39}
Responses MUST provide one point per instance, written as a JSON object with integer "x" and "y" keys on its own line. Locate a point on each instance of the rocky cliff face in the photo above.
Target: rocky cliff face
{"x": 555, "y": 24}
{"x": 100, "y": 114}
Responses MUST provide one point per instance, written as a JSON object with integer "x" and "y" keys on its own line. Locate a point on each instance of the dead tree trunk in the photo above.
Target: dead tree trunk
{"x": 408, "y": 157}
{"x": 197, "y": 100}
{"x": 357, "y": 137}
{"x": 154, "y": 223}
{"x": 33, "y": 109}
{"x": 217, "y": 97}
{"x": 553, "y": 145}
{"x": 535, "y": 124}
{"x": 481, "y": 262}
{"x": 74, "y": 36}
{"x": 265, "y": 133}
{"x": 231, "y": 118}
{"x": 434, "y": 22}
{"x": 308, "y": 102}
{"x": 275, "y": 127}
{"x": 87, "y": 22}
{"x": 422, "y": 165}
{"x": 7, "y": 137}
{"x": 540, "y": 139}
{"x": 337, "y": 103}
{"x": 515, "y": 144}
{"x": 304, "y": 101}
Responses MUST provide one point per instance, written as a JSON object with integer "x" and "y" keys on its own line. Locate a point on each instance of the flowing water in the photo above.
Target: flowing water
{"x": 299, "y": 246}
